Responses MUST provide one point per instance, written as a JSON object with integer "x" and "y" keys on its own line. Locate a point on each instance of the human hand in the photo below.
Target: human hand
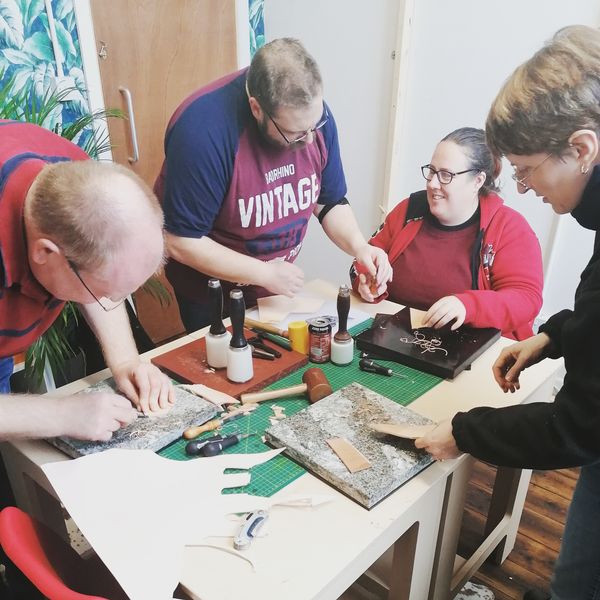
{"x": 377, "y": 263}
{"x": 284, "y": 278}
{"x": 446, "y": 309}
{"x": 440, "y": 442}
{"x": 517, "y": 357}
{"x": 94, "y": 416}
{"x": 368, "y": 288}
{"x": 149, "y": 389}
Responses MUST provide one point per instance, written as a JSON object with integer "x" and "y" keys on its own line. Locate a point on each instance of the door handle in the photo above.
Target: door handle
{"x": 130, "y": 115}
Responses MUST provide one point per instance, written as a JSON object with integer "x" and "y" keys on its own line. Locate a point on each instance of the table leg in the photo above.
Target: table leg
{"x": 449, "y": 531}
{"x": 508, "y": 498}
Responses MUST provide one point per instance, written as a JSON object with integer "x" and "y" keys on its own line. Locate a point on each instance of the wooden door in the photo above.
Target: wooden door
{"x": 157, "y": 52}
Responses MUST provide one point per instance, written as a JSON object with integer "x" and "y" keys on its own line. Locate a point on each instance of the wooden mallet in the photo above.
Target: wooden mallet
{"x": 315, "y": 385}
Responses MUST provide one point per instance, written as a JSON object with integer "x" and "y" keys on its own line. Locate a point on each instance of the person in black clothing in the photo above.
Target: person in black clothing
{"x": 546, "y": 121}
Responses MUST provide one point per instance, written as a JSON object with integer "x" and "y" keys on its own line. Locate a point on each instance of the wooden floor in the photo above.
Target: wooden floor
{"x": 530, "y": 564}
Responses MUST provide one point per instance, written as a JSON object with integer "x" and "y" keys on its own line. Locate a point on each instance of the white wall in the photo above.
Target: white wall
{"x": 460, "y": 53}
{"x": 352, "y": 44}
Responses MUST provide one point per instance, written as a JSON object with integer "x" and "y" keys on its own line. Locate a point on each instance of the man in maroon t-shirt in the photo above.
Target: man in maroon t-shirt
{"x": 249, "y": 159}
{"x": 79, "y": 230}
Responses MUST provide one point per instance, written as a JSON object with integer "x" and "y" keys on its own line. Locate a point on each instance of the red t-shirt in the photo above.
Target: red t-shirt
{"x": 26, "y": 308}
{"x": 435, "y": 264}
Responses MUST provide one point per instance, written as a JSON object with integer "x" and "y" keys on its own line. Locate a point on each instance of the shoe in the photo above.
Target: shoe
{"x": 536, "y": 595}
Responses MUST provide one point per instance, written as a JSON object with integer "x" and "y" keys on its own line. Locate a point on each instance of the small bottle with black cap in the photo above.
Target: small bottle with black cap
{"x": 342, "y": 344}
{"x": 239, "y": 353}
{"x": 217, "y": 339}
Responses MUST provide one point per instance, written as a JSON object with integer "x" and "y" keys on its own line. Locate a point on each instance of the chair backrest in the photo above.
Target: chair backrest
{"x": 21, "y": 542}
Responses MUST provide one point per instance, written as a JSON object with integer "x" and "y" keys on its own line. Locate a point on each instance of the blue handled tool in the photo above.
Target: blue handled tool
{"x": 250, "y": 527}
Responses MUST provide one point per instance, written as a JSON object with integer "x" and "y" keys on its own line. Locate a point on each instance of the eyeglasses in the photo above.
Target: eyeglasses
{"x": 520, "y": 180}
{"x": 115, "y": 304}
{"x": 302, "y": 137}
{"x": 444, "y": 176}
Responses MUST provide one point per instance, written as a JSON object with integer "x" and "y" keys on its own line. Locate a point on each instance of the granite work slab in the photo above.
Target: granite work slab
{"x": 145, "y": 433}
{"x": 347, "y": 413}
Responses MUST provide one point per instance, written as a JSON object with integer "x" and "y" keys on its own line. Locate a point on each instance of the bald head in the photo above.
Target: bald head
{"x": 284, "y": 74}
{"x": 94, "y": 211}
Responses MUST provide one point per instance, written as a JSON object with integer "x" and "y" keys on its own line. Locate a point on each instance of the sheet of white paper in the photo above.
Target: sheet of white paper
{"x": 138, "y": 510}
{"x": 272, "y": 309}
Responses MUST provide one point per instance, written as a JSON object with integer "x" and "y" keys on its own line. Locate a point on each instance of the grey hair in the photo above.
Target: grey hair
{"x": 283, "y": 73}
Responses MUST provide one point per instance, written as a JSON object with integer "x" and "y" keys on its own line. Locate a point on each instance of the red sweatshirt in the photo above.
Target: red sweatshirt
{"x": 506, "y": 264}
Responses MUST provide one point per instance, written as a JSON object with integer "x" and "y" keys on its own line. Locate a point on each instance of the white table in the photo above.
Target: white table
{"x": 318, "y": 553}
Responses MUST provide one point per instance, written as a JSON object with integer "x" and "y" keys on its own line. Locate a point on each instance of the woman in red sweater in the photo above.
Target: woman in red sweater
{"x": 456, "y": 250}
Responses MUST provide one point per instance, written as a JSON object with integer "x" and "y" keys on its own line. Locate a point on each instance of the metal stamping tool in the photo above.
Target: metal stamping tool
{"x": 250, "y": 527}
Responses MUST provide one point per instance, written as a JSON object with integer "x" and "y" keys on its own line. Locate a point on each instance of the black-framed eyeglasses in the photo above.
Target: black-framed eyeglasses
{"x": 114, "y": 305}
{"x": 521, "y": 179}
{"x": 302, "y": 137}
{"x": 444, "y": 176}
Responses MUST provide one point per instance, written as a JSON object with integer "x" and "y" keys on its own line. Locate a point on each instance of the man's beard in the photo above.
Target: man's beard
{"x": 279, "y": 143}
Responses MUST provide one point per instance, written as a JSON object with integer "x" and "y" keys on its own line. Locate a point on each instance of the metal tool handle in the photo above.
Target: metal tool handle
{"x": 133, "y": 133}
{"x": 366, "y": 364}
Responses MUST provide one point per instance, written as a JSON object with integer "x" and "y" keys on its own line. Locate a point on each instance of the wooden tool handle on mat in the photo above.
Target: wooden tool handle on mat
{"x": 192, "y": 432}
{"x": 268, "y": 327}
{"x": 253, "y": 397}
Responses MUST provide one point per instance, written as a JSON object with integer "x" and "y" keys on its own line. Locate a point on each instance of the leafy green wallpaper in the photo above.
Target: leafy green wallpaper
{"x": 27, "y": 58}
{"x": 257, "y": 25}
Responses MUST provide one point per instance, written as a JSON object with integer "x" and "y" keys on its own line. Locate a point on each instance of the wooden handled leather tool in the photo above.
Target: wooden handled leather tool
{"x": 268, "y": 327}
{"x": 314, "y": 384}
{"x": 211, "y": 425}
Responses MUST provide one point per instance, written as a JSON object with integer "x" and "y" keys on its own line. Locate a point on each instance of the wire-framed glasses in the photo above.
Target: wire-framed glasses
{"x": 521, "y": 178}
{"x": 304, "y": 135}
{"x": 444, "y": 176}
{"x": 114, "y": 304}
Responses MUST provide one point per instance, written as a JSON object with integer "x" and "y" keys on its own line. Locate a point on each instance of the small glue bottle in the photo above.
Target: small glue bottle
{"x": 342, "y": 344}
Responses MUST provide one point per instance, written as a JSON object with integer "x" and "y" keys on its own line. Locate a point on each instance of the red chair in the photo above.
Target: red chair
{"x": 22, "y": 540}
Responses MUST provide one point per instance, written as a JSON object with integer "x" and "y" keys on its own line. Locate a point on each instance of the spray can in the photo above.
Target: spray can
{"x": 319, "y": 340}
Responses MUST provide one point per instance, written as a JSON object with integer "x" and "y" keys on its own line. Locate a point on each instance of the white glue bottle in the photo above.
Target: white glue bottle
{"x": 217, "y": 339}
{"x": 239, "y": 353}
{"x": 342, "y": 344}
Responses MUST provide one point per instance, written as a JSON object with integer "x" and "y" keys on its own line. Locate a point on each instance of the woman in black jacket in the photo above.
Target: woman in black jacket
{"x": 546, "y": 121}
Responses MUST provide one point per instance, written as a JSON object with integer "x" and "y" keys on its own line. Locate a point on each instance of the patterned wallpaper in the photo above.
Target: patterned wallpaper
{"x": 27, "y": 57}
{"x": 257, "y": 25}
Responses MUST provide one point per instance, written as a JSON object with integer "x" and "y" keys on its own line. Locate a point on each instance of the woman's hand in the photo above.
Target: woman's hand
{"x": 517, "y": 357}
{"x": 446, "y": 309}
{"x": 440, "y": 442}
{"x": 368, "y": 288}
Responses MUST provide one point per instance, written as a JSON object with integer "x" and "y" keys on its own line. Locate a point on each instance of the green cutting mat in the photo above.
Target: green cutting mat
{"x": 280, "y": 471}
